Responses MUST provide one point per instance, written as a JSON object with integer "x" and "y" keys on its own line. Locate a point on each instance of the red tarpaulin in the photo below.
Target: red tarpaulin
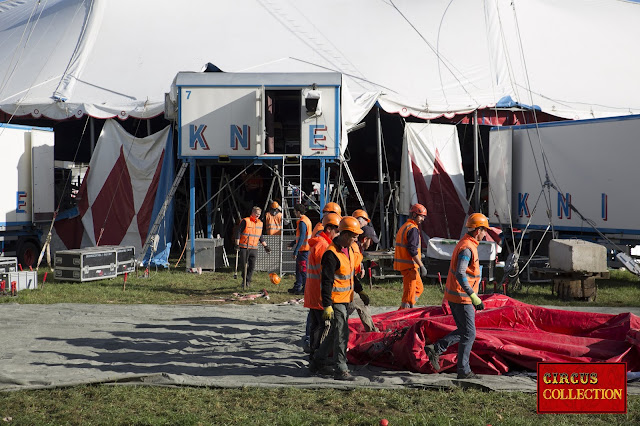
{"x": 510, "y": 336}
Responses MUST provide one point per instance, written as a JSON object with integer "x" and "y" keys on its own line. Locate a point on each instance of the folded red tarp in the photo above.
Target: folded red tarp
{"x": 510, "y": 336}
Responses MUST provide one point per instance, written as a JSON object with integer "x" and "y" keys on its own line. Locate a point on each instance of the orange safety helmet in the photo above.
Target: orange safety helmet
{"x": 361, "y": 213}
{"x": 350, "y": 223}
{"x": 332, "y": 208}
{"x": 477, "y": 220}
{"x": 275, "y": 279}
{"x": 275, "y": 205}
{"x": 418, "y": 209}
{"x": 331, "y": 219}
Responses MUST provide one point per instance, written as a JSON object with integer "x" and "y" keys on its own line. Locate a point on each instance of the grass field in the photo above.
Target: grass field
{"x": 141, "y": 405}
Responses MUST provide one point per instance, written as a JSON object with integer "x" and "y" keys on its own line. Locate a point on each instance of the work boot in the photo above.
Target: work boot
{"x": 306, "y": 347}
{"x": 343, "y": 375}
{"x": 433, "y": 356}
{"x": 325, "y": 370}
{"x": 469, "y": 375}
{"x": 292, "y": 290}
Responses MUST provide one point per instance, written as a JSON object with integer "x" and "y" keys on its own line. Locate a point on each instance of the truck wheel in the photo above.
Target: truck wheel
{"x": 28, "y": 253}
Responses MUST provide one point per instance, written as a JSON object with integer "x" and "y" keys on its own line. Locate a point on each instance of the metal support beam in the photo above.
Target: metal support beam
{"x": 208, "y": 174}
{"x": 322, "y": 185}
{"x": 383, "y": 241}
{"x": 92, "y": 135}
{"x": 192, "y": 211}
{"x": 476, "y": 169}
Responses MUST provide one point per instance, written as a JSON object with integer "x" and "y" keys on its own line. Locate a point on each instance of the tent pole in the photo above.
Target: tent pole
{"x": 92, "y": 135}
{"x": 383, "y": 234}
{"x": 476, "y": 169}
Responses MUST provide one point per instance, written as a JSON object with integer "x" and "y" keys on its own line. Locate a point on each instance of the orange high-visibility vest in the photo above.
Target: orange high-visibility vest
{"x": 312, "y": 288}
{"x": 454, "y": 292}
{"x": 251, "y": 234}
{"x": 316, "y": 229}
{"x": 402, "y": 259}
{"x": 273, "y": 223}
{"x": 359, "y": 256}
{"x": 305, "y": 244}
{"x": 343, "y": 278}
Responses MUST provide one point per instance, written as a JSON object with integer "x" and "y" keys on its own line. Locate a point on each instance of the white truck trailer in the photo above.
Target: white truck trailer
{"x": 572, "y": 175}
{"x": 575, "y": 178}
{"x": 27, "y": 192}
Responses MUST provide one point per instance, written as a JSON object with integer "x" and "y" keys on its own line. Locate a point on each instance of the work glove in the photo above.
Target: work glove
{"x": 328, "y": 313}
{"x": 267, "y": 249}
{"x": 364, "y": 297}
{"x": 423, "y": 271}
{"x": 477, "y": 303}
{"x": 236, "y": 245}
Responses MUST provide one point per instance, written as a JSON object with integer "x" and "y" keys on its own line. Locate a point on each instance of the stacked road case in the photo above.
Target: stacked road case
{"x": 8, "y": 264}
{"x": 94, "y": 263}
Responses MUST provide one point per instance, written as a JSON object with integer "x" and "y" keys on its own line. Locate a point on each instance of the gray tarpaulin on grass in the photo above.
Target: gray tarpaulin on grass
{"x": 59, "y": 345}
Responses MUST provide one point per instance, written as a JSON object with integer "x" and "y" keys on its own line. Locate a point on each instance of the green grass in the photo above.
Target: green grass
{"x": 141, "y": 405}
{"x": 178, "y": 287}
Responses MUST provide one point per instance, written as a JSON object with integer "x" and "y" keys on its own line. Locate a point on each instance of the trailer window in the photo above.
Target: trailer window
{"x": 282, "y": 121}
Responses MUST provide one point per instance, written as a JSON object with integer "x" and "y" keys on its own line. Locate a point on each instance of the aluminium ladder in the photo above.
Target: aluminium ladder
{"x": 291, "y": 188}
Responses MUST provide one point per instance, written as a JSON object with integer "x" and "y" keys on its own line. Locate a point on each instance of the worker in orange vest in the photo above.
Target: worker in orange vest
{"x": 408, "y": 256}
{"x": 360, "y": 302}
{"x": 248, "y": 235}
{"x": 301, "y": 249}
{"x": 338, "y": 283}
{"x": 312, "y": 294}
{"x": 462, "y": 295}
{"x": 328, "y": 208}
{"x": 273, "y": 220}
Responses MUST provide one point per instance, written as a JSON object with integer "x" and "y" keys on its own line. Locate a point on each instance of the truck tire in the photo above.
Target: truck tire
{"x": 28, "y": 253}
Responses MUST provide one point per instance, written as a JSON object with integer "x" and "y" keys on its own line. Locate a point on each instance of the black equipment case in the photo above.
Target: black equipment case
{"x": 88, "y": 264}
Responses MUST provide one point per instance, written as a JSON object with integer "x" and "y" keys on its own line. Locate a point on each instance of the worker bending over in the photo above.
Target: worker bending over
{"x": 408, "y": 256}
{"x": 461, "y": 294}
{"x": 337, "y": 284}
{"x": 248, "y": 236}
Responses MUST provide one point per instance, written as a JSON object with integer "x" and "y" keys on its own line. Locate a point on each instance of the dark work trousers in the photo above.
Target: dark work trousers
{"x": 248, "y": 256}
{"x": 302, "y": 259}
{"x": 465, "y": 317}
{"x": 316, "y": 327}
{"x": 336, "y": 340}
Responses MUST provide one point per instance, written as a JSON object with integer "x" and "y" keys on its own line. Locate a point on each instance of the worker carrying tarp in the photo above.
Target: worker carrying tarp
{"x": 360, "y": 302}
{"x": 312, "y": 290}
{"x": 462, "y": 295}
{"x": 338, "y": 283}
{"x": 408, "y": 256}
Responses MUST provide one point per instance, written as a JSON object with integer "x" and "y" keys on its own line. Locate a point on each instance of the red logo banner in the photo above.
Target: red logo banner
{"x": 582, "y": 387}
